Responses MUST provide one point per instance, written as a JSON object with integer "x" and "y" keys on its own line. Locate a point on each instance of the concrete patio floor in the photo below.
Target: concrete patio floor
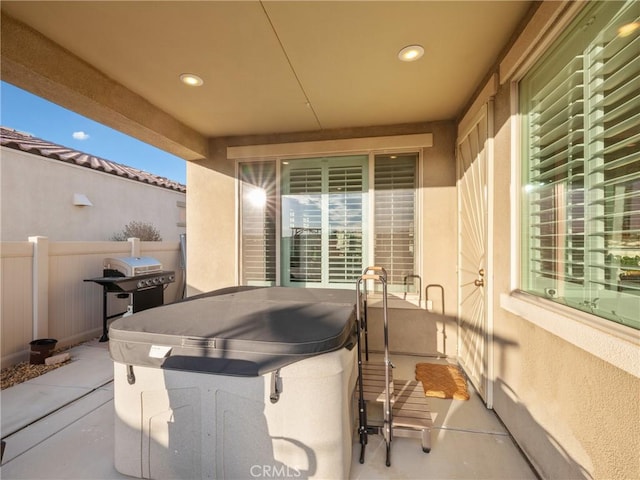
{"x": 61, "y": 426}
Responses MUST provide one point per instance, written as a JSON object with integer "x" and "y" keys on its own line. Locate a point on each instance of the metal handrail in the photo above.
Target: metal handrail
{"x": 419, "y": 287}
{"x": 434, "y": 285}
{"x": 388, "y": 409}
{"x": 368, "y": 270}
{"x": 444, "y": 324}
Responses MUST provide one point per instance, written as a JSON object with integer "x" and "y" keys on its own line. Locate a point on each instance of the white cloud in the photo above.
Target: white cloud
{"x": 80, "y": 135}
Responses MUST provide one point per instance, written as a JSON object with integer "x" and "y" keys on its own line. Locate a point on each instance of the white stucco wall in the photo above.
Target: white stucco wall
{"x": 566, "y": 383}
{"x": 36, "y": 198}
{"x": 213, "y": 242}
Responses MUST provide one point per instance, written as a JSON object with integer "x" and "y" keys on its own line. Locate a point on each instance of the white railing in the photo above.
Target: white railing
{"x": 43, "y": 293}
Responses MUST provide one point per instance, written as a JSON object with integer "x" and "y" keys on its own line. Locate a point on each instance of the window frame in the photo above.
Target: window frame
{"x": 609, "y": 341}
{"x": 396, "y": 288}
{"x": 239, "y": 219}
{"x": 325, "y": 165}
{"x": 370, "y": 146}
{"x": 574, "y": 44}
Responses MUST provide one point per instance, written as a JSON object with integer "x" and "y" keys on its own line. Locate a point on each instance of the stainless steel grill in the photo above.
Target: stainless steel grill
{"x": 142, "y": 279}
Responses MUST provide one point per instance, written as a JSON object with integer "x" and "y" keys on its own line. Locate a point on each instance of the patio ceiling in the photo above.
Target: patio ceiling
{"x": 268, "y": 67}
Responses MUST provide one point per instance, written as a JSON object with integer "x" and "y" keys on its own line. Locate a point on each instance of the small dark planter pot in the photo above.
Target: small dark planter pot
{"x": 41, "y": 349}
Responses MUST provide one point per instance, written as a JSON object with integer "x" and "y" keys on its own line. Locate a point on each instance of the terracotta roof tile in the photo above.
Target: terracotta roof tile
{"x": 27, "y": 143}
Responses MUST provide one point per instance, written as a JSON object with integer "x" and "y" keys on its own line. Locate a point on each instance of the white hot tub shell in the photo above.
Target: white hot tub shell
{"x": 240, "y": 383}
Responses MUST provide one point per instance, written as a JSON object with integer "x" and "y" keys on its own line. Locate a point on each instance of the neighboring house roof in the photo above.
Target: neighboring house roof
{"x": 28, "y": 143}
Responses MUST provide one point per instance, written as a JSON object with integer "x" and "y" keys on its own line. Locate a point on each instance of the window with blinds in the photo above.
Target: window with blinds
{"x": 394, "y": 216}
{"x": 322, "y": 221}
{"x": 322, "y": 236}
{"x": 258, "y": 223}
{"x": 304, "y": 224}
{"x": 581, "y": 137}
{"x": 345, "y": 211}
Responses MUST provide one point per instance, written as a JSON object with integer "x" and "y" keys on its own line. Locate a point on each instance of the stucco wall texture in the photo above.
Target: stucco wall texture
{"x": 37, "y": 199}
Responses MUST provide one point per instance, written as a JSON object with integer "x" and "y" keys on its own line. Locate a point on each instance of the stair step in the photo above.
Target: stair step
{"x": 370, "y": 366}
{"x": 373, "y": 381}
{"x": 421, "y": 417}
{"x": 375, "y": 370}
{"x": 411, "y": 415}
{"x": 409, "y": 389}
{"x": 410, "y": 408}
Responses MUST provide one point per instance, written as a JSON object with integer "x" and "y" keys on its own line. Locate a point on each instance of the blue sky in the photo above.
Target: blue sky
{"x": 31, "y": 114}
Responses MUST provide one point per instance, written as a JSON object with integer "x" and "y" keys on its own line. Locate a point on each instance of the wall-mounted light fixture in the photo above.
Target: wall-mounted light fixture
{"x": 81, "y": 200}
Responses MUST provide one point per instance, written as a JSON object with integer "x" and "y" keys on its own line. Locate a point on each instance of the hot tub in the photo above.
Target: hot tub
{"x": 238, "y": 383}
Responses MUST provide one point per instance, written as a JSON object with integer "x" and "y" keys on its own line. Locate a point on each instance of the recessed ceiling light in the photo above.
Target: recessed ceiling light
{"x": 411, "y": 53}
{"x": 191, "y": 79}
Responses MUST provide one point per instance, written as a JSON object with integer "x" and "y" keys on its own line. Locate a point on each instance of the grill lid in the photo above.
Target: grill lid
{"x": 132, "y": 266}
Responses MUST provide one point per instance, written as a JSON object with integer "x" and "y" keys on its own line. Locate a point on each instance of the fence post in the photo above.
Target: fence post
{"x": 135, "y": 246}
{"x": 40, "y": 299}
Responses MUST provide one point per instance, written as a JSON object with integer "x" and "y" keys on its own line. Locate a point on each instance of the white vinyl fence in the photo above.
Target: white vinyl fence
{"x": 43, "y": 293}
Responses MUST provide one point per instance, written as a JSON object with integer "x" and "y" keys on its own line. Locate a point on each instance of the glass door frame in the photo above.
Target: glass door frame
{"x": 324, "y": 163}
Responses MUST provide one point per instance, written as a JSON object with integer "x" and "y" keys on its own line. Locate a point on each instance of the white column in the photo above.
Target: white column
{"x": 40, "y": 299}
{"x": 135, "y": 246}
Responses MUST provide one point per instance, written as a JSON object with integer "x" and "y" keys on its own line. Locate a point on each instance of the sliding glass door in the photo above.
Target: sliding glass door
{"x": 317, "y": 222}
{"x": 323, "y": 229}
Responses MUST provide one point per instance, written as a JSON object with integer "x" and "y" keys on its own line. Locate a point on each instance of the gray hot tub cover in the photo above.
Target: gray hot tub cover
{"x": 240, "y": 331}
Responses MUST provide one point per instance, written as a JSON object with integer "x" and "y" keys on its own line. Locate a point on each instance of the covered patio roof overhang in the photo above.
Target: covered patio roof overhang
{"x": 310, "y": 70}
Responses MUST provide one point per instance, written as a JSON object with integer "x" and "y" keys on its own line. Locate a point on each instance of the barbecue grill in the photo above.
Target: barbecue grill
{"x": 141, "y": 279}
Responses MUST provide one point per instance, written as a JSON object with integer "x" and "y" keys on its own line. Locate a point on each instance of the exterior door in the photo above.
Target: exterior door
{"x": 474, "y": 270}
